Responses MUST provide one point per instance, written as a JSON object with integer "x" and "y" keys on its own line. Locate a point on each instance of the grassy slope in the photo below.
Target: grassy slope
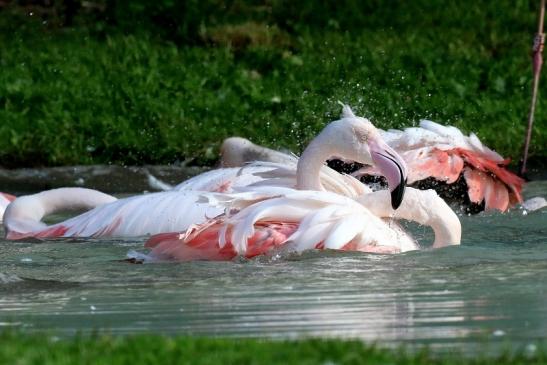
{"x": 152, "y": 349}
{"x": 75, "y": 95}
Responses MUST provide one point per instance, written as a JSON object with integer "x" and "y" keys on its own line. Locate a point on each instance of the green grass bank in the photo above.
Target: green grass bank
{"x": 160, "y": 82}
{"x": 23, "y": 349}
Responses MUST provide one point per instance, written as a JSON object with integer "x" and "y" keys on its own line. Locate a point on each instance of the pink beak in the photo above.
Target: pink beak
{"x": 392, "y": 166}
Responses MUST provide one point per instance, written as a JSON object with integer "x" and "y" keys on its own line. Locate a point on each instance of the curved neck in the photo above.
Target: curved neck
{"x": 69, "y": 199}
{"x": 310, "y": 163}
{"x": 421, "y": 206}
{"x": 25, "y": 213}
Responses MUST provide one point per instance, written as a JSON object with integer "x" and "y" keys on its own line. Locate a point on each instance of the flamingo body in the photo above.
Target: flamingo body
{"x": 304, "y": 219}
{"x": 229, "y": 179}
{"x": 309, "y": 220}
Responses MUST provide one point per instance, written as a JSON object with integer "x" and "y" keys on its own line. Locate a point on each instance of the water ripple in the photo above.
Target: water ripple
{"x": 492, "y": 287}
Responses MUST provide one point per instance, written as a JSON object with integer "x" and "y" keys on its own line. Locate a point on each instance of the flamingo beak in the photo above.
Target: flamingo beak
{"x": 393, "y": 167}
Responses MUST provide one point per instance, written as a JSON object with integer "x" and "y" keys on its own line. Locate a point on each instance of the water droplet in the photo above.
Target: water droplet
{"x": 498, "y": 333}
{"x": 530, "y": 350}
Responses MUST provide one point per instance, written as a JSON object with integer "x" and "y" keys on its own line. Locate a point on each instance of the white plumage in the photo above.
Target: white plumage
{"x": 317, "y": 220}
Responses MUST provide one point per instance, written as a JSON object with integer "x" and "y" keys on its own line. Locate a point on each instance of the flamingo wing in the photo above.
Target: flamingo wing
{"x": 444, "y": 153}
{"x": 222, "y": 180}
{"x": 135, "y": 216}
{"x": 268, "y": 174}
{"x": 203, "y": 243}
{"x": 426, "y": 162}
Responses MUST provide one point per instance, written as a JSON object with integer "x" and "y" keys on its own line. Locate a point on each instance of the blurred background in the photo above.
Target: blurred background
{"x": 164, "y": 81}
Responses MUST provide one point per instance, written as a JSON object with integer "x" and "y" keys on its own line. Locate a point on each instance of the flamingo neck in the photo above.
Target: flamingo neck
{"x": 25, "y": 213}
{"x": 308, "y": 170}
{"x": 423, "y": 207}
{"x": 68, "y": 199}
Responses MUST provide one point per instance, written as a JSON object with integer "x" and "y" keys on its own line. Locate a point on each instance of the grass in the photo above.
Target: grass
{"x": 133, "y": 94}
{"x": 22, "y": 349}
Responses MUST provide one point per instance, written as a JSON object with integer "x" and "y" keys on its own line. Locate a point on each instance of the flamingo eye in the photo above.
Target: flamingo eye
{"x": 361, "y": 134}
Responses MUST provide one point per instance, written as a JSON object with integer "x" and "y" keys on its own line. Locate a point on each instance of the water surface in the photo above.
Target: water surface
{"x": 492, "y": 288}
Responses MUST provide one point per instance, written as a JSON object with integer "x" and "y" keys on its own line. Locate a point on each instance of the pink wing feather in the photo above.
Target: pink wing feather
{"x": 202, "y": 242}
{"x": 444, "y": 153}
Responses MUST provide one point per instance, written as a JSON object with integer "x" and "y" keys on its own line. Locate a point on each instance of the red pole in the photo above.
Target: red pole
{"x": 539, "y": 41}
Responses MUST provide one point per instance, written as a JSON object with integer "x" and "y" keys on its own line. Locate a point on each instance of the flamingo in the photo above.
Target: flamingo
{"x": 5, "y": 200}
{"x": 351, "y": 137}
{"x": 445, "y": 154}
{"x": 305, "y": 220}
{"x": 432, "y": 150}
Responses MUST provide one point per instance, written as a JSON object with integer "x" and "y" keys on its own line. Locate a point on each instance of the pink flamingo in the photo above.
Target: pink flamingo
{"x": 306, "y": 220}
{"x": 351, "y": 137}
{"x": 445, "y": 153}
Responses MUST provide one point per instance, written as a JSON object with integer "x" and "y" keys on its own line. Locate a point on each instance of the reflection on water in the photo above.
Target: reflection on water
{"x": 492, "y": 288}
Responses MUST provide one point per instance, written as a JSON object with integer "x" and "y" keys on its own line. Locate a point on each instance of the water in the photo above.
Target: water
{"x": 491, "y": 289}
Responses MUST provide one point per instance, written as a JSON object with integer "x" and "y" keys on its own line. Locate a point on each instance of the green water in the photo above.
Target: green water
{"x": 491, "y": 289}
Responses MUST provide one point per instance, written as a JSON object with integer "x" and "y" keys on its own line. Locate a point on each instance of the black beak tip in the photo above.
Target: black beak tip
{"x": 397, "y": 195}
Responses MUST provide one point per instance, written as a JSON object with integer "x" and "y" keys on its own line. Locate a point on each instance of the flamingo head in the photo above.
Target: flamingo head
{"x": 356, "y": 138}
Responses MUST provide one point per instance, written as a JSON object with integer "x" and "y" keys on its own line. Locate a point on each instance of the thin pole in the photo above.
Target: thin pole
{"x": 537, "y": 61}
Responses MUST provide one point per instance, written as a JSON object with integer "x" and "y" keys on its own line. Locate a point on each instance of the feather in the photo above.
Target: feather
{"x": 497, "y": 197}
{"x": 476, "y": 183}
{"x": 344, "y": 231}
